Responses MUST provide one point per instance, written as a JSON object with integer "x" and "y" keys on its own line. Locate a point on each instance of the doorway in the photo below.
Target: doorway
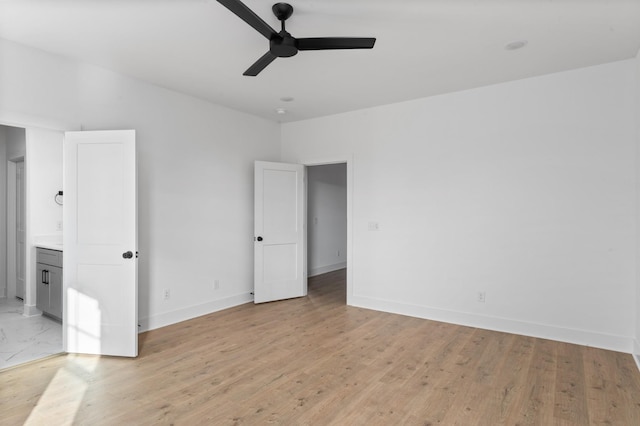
{"x": 291, "y": 227}
{"x": 12, "y": 181}
{"x": 327, "y": 219}
{"x": 27, "y": 334}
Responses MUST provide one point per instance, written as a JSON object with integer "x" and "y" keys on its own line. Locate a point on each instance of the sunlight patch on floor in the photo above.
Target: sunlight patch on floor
{"x": 61, "y": 400}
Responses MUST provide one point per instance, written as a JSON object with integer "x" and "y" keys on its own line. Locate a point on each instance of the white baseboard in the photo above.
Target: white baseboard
{"x": 636, "y": 352}
{"x": 179, "y": 315}
{"x": 568, "y": 335}
{"x": 562, "y": 334}
{"x": 329, "y": 268}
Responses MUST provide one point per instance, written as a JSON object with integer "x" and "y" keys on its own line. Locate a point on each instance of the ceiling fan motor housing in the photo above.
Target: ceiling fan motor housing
{"x": 283, "y": 46}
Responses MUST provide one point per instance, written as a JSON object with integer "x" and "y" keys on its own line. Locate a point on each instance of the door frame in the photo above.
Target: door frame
{"x": 11, "y": 225}
{"x": 348, "y": 160}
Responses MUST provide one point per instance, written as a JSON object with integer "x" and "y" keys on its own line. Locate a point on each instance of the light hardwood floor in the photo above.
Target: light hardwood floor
{"x": 317, "y": 361}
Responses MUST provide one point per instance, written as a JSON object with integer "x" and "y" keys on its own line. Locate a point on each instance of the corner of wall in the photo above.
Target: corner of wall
{"x": 3, "y": 214}
{"x": 636, "y": 346}
{"x": 183, "y": 314}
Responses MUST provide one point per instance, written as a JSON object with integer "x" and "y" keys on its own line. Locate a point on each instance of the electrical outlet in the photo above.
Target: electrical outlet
{"x": 167, "y": 294}
{"x": 374, "y": 226}
{"x": 216, "y": 285}
{"x": 59, "y": 226}
{"x": 481, "y": 296}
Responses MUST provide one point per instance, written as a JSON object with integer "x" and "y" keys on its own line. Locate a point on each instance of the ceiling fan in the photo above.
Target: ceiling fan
{"x": 282, "y": 44}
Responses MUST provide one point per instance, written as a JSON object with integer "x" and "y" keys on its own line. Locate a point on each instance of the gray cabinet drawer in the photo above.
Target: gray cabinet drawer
{"x": 49, "y": 257}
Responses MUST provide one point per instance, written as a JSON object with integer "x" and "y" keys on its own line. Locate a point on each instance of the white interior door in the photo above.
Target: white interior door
{"x": 100, "y": 241}
{"x": 280, "y": 265}
{"x": 21, "y": 249}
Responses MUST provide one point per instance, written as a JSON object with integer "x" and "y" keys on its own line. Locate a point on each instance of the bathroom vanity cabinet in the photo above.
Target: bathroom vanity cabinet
{"x": 49, "y": 282}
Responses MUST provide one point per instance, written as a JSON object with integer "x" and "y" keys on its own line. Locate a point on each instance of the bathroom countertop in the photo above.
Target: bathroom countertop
{"x": 50, "y": 246}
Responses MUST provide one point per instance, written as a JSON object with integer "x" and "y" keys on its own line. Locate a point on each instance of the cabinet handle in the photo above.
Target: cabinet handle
{"x": 42, "y": 279}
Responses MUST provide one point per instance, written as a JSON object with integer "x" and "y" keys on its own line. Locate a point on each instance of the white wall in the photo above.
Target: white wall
{"x": 636, "y": 350}
{"x": 523, "y": 190}
{"x": 36, "y": 84}
{"x": 326, "y": 218}
{"x": 195, "y": 174}
{"x": 44, "y": 169}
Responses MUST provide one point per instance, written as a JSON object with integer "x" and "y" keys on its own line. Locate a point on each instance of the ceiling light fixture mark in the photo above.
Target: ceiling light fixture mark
{"x": 515, "y": 45}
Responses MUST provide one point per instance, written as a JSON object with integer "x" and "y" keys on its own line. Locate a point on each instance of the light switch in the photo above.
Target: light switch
{"x": 373, "y": 226}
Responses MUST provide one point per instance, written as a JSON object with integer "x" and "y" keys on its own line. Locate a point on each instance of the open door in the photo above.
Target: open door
{"x": 100, "y": 290}
{"x": 279, "y": 259}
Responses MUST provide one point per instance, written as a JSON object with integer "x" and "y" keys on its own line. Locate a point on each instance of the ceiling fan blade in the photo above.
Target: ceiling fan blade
{"x": 248, "y": 16}
{"x": 260, "y": 64}
{"x": 326, "y": 43}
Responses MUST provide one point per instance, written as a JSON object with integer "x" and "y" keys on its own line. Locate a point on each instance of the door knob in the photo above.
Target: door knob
{"x": 259, "y": 238}
{"x": 127, "y": 255}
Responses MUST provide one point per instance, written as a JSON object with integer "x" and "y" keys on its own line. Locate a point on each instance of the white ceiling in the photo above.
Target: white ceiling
{"x": 423, "y": 48}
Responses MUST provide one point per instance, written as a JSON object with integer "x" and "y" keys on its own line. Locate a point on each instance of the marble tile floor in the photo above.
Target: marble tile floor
{"x": 24, "y": 339}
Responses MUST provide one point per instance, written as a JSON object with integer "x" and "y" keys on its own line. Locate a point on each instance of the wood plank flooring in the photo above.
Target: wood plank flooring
{"x": 316, "y": 361}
